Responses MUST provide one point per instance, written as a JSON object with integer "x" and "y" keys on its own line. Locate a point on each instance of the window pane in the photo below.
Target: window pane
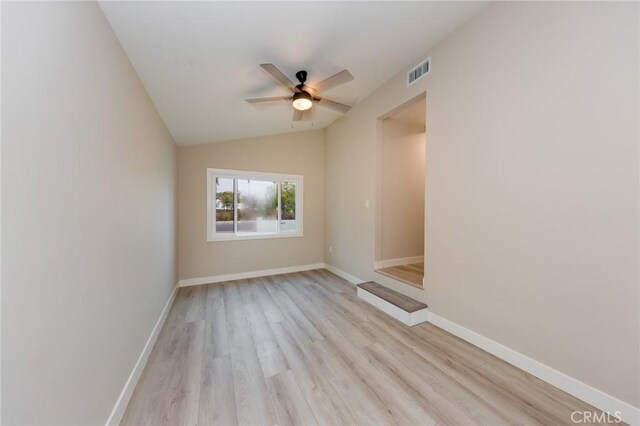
{"x": 257, "y": 206}
{"x": 288, "y": 205}
{"x": 224, "y": 205}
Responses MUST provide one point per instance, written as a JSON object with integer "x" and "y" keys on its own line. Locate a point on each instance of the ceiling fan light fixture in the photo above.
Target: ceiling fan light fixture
{"x": 302, "y": 101}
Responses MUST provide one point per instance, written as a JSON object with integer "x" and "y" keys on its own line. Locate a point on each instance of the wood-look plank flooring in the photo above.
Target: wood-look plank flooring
{"x": 302, "y": 349}
{"x": 399, "y": 300}
{"x": 411, "y": 274}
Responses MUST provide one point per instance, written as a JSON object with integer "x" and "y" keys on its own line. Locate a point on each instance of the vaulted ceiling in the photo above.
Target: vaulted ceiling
{"x": 199, "y": 60}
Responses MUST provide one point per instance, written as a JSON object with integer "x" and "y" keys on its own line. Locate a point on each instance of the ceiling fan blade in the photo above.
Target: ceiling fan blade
{"x": 342, "y": 77}
{"x": 336, "y": 106}
{"x": 309, "y": 115}
{"x": 297, "y": 115}
{"x": 271, "y": 99}
{"x": 279, "y": 76}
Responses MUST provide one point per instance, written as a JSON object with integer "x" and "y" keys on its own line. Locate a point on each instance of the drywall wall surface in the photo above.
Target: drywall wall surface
{"x": 88, "y": 220}
{"x": 402, "y": 189}
{"x": 299, "y": 153}
{"x": 531, "y": 185}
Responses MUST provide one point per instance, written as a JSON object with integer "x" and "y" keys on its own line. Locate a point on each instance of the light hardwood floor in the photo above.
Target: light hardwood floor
{"x": 303, "y": 349}
{"x": 411, "y": 274}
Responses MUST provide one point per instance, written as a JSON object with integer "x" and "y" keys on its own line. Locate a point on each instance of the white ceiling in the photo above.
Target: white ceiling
{"x": 199, "y": 60}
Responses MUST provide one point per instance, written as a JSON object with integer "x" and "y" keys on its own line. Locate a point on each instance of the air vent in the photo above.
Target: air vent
{"x": 418, "y": 72}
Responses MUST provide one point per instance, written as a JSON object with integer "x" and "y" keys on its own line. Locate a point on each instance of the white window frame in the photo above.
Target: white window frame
{"x": 212, "y": 174}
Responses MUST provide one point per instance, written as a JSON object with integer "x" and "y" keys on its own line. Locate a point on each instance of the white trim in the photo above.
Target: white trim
{"x": 408, "y": 318}
{"x": 605, "y": 402}
{"x": 397, "y": 262}
{"x": 244, "y": 174}
{"x": 254, "y": 236}
{"x": 589, "y": 394}
{"x": 130, "y": 385}
{"x": 213, "y": 236}
{"x": 1, "y": 227}
{"x": 251, "y": 274}
{"x": 343, "y": 274}
{"x": 599, "y": 399}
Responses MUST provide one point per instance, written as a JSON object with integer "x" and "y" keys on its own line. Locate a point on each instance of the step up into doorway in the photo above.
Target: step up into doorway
{"x": 399, "y": 306}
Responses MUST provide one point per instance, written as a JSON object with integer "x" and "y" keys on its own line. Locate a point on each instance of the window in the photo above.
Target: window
{"x": 250, "y": 205}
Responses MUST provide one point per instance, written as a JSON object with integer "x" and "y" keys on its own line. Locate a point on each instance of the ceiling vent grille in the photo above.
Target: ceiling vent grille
{"x": 418, "y": 72}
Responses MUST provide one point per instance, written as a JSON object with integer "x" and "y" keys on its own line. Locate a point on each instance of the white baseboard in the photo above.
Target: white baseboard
{"x": 599, "y": 399}
{"x": 397, "y": 262}
{"x": 130, "y": 385}
{"x": 408, "y": 318}
{"x": 343, "y": 274}
{"x": 605, "y": 402}
{"x": 250, "y": 274}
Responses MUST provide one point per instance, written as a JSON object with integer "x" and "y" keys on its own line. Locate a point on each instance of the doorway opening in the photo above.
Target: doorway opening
{"x": 400, "y": 217}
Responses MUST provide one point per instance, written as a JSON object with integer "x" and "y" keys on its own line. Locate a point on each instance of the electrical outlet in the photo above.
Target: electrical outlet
{"x": 366, "y": 203}
{"x": 330, "y": 249}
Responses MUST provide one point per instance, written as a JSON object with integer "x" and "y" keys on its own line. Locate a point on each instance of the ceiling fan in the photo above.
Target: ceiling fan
{"x": 304, "y": 96}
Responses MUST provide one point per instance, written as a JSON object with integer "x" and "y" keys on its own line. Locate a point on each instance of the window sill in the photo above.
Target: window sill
{"x": 252, "y": 236}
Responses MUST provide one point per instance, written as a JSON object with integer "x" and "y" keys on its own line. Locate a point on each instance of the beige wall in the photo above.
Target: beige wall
{"x": 296, "y": 153}
{"x": 88, "y": 220}
{"x": 402, "y": 189}
{"x": 532, "y": 185}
